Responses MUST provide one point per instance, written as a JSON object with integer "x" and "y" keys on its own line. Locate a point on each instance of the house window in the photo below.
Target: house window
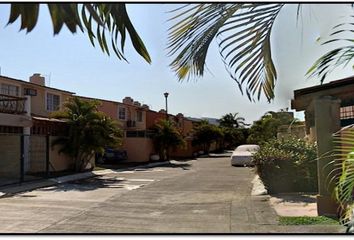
{"x": 11, "y": 90}
{"x": 139, "y": 116}
{"x": 53, "y": 102}
{"x": 121, "y": 113}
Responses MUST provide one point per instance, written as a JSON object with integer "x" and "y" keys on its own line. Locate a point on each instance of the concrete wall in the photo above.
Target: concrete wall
{"x": 9, "y": 156}
{"x": 59, "y": 162}
{"x": 298, "y": 131}
{"x": 186, "y": 152}
{"x": 138, "y": 149}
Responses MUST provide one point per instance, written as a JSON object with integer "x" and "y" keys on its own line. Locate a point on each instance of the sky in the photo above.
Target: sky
{"x": 70, "y": 62}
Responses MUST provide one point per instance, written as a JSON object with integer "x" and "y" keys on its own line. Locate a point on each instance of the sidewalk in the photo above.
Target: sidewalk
{"x": 288, "y": 204}
{"x": 294, "y": 204}
{"x": 10, "y": 190}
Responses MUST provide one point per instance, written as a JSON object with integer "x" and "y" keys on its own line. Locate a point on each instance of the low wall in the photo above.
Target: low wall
{"x": 186, "y": 152}
{"x": 138, "y": 149}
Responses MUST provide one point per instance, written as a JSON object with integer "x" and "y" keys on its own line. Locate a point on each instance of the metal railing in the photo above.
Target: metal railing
{"x": 12, "y": 104}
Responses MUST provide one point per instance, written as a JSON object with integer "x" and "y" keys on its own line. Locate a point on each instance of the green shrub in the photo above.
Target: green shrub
{"x": 318, "y": 220}
{"x": 287, "y": 166}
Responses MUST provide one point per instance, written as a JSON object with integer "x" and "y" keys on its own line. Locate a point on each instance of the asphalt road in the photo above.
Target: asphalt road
{"x": 199, "y": 196}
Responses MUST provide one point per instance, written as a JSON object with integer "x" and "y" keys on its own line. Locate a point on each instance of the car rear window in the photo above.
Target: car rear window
{"x": 247, "y": 148}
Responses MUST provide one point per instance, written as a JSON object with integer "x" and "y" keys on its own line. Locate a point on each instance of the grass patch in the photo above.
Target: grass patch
{"x": 320, "y": 220}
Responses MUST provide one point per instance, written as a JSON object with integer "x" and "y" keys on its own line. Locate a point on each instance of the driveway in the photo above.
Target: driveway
{"x": 199, "y": 196}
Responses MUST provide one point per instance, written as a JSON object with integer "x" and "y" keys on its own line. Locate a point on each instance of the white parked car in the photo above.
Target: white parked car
{"x": 242, "y": 156}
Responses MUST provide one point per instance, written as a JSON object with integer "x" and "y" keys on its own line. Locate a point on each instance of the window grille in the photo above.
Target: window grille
{"x": 347, "y": 112}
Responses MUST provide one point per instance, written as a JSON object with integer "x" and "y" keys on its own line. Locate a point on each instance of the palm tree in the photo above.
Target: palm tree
{"x": 231, "y": 120}
{"x": 97, "y": 20}
{"x": 166, "y": 136}
{"x": 89, "y": 131}
{"x": 242, "y": 32}
{"x": 204, "y": 134}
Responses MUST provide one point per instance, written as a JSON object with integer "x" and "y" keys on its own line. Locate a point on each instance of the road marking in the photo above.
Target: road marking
{"x": 131, "y": 187}
{"x": 139, "y": 180}
{"x": 144, "y": 170}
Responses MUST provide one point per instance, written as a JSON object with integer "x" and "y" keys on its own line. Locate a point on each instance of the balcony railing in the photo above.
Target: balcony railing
{"x": 12, "y": 104}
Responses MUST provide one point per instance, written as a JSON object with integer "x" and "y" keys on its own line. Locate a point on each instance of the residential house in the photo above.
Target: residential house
{"x": 25, "y": 107}
{"x": 185, "y": 126}
{"x": 131, "y": 116}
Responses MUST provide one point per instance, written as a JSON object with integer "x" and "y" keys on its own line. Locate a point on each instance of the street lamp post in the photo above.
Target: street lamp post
{"x": 166, "y": 95}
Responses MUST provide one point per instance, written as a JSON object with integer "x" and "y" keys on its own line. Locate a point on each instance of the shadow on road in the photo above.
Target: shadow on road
{"x": 295, "y": 197}
{"x": 88, "y": 184}
{"x": 184, "y": 164}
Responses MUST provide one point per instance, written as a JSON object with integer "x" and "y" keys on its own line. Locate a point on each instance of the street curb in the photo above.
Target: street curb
{"x": 73, "y": 177}
{"x": 28, "y": 186}
{"x": 258, "y": 188}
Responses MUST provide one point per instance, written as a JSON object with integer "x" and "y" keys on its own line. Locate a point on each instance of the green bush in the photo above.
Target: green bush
{"x": 287, "y": 166}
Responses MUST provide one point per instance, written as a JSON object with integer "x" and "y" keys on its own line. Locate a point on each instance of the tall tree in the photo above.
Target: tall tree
{"x": 89, "y": 131}
{"x": 266, "y": 128}
{"x": 166, "y": 136}
{"x": 231, "y": 120}
{"x": 205, "y": 134}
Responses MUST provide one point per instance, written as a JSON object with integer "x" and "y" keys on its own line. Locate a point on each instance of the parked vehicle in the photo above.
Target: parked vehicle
{"x": 242, "y": 156}
{"x": 112, "y": 156}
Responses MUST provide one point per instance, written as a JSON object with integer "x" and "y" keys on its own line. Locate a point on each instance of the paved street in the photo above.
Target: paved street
{"x": 199, "y": 196}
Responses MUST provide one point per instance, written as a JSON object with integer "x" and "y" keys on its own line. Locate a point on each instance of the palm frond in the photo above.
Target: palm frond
{"x": 341, "y": 56}
{"x": 190, "y": 38}
{"x": 243, "y": 33}
{"x": 96, "y": 19}
{"x": 344, "y": 159}
{"x": 245, "y": 48}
